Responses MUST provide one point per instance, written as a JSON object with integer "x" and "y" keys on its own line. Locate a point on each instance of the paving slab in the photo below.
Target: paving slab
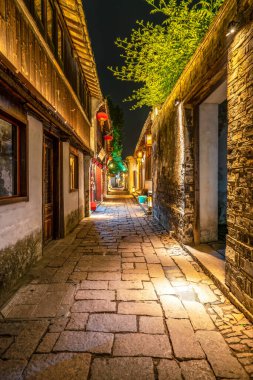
{"x": 142, "y": 345}
{"x": 151, "y": 325}
{"x": 104, "y": 276}
{"x": 169, "y": 370}
{"x": 173, "y": 307}
{"x": 94, "y": 285}
{"x": 199, "y": 317}
{"x": 95, "y": 295}
{"x": 223, "y": 363}
{"x": 205, "y": 294}
{"x": 136, "y": 295}
{"x": 5, "y": 342}
{"x": 48, "y": 342}
{"x": 186, "y": 267}
{"x": 140, "y": 308}
{"x": 71, "y": 366}
{"x": 152, "y": 259}
{"x": 124, "y": 368}
{"x": 116, "y": 285}
{"x": 184, "y": 342}
{"x": 77, "y": 321}
{"x": 26, "y": 342}
{"x": 12, "y": 369}
{"x": 155, "y": 271}
{"x": 93, "y": 306}
{"x": 197, "y": 370}
{"x": 135, "y": 277}
{"x": 112, "y": 323}
{"x": 79, "y": 341}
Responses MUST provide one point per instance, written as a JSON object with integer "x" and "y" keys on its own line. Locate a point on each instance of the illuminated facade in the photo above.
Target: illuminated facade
{"x": 49, "y": 96}
{"x": 140, "y": 164}
{"x": 202, "y": 151}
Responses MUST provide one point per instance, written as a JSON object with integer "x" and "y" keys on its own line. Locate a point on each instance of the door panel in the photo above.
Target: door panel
{"x": 48, "y": 190}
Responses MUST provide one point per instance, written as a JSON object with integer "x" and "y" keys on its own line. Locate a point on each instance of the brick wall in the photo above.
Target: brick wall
{"x": 239, "y": 253}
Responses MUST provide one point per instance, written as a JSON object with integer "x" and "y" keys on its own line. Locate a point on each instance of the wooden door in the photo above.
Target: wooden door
{"x": 48, "y": 190}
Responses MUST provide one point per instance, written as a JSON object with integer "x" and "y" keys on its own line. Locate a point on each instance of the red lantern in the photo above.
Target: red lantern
{"x": 108, "y": 138}
{"x": 102, "y": 117}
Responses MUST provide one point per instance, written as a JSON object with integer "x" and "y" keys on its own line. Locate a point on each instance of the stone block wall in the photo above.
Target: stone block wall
{"x": 239, "y": 253}
{"x": 173, "y": 171}
{"x": 174, "y": 150}
{"x": 219, "y": 58}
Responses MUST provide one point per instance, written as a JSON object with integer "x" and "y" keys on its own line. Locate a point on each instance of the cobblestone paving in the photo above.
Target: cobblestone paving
{"x": 119, "y": 299}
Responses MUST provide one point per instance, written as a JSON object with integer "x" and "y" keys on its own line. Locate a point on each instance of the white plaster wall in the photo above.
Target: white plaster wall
{"x": 208, "y": 165}
{"x": 148, "y": 185}
{"x": 71, "y": 198}
{"x": 131, "y": 167}
{"x": 86, "y": 161}
{"x": 81, "y": 181}
{"x": 19, "y": 220}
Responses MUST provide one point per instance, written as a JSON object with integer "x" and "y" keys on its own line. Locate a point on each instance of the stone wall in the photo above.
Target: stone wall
{"x": 173, "y": 172}
{"x": 220, "y": 58}
{"x": 239, "y": 253}
{"x": 175, "y": 148}
{"x": 15, "y": 260}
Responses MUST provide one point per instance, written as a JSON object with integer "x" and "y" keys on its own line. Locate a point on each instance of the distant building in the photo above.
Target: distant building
{"x": 49, "y": 96}
{"x": 140, "y": 164}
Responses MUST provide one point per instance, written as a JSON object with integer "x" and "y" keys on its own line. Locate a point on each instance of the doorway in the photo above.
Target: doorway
{"x": 50, "y": 189}
{"x": 213, "y": 168}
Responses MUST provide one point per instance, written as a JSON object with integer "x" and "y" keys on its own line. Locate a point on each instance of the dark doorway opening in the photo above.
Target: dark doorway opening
{"x": 50, "y": 189}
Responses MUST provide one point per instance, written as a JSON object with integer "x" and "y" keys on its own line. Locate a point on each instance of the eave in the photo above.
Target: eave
{"x": 73, "y": 14}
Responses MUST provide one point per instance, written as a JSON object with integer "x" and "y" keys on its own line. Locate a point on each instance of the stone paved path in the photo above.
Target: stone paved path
{"x": 119, "y": 299}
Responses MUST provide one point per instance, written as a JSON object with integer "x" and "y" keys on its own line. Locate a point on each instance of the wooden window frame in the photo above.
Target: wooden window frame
{"x": 74, "y": 153}
{"x": 40, "y": 21}
{"x": 22, "y": 179}
{"x": 50, "y": 39}
{"x": 60, "y": 27}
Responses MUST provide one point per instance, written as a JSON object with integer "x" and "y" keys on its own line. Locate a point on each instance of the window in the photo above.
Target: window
{"x": 38, "y": 6}
{"x": 50, "y": 16}
{"x": 12, "y": 160}
{"x": 73, "y": 171}
{"x": 3, "y": 9}
{"x": 60, "y": 42}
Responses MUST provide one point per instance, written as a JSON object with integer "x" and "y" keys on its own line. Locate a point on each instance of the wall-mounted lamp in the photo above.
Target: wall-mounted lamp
{"x": 176, "y": 102}
{"x": 232, "y": 26}
{"x": 148, "y": 140}
{"x": 156, "y": 111}
{"x": 139, "y": 154}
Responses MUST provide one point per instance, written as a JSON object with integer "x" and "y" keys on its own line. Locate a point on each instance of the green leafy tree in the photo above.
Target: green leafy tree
{"x": 116, "y": 165}
{"x": 155, "y": 55}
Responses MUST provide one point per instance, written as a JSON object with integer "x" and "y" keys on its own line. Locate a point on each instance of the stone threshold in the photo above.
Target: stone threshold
{"x": 213, "y": 264}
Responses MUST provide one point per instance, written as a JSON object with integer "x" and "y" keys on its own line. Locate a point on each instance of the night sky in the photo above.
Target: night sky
{"x": 107, "y": 20}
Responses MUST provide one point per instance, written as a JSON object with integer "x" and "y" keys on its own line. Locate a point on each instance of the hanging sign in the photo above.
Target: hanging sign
{"x": 101, "y": 154}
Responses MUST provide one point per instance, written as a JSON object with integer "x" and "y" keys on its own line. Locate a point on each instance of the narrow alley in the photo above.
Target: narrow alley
{"x": 119, "y": 299}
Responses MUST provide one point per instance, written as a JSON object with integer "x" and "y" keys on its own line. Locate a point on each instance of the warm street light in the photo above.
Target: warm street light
{"x": 232, "y": 26}
{"x": 149, "y": 140}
